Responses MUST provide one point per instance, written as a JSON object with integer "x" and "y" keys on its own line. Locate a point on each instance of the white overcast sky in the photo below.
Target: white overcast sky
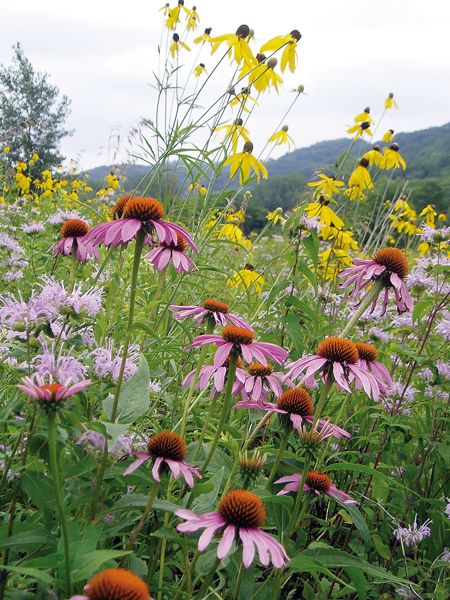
{"x": 102, "y": 53}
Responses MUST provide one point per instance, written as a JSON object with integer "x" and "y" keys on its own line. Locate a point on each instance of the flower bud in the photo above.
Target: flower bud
{"x": 250, "y": 467}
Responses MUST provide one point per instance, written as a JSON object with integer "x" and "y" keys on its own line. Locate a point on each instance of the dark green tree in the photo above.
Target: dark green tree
{"x": 32, "y": 113}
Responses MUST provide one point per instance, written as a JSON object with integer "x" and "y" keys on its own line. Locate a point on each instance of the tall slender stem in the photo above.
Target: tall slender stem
{"x": 297, "y": 515}
{"x": 151, "y": 498}
{"x": 365, "y": 303}
{"x": 204, "y": 588}
{"x": 226, "y": 407}
{"x": 322, "y": 399}
{"x": 54, "y": 470}
{"x": 281, "y": 449}
{"x": 237, "y": 589}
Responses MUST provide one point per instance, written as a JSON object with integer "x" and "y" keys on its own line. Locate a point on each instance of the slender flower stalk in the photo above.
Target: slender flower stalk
{"x": 299, "y": 509}
{"x": 364, "y": 305}
{"x": 281, "y": 449}
{"x": 226, "y": 407}
{"x": 54, "y": 470}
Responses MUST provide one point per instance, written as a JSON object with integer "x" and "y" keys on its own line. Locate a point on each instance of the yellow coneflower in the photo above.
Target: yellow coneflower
{"x": 231, "y": 232}
{"x": 390, "y": 102}
{"x": 326, "y": 186}
{"x": 359, "y": 129}
{"x": 364, "y": 116}
{"x": 430, "y": 214}
{"x": 237, "y": 44}
{"x": 289, "y": 43}
{"x": 374, "y": 156}
{"x": 282, "y": 137}
{"x": 174, "y": 14}
{"x": 177, "y": 44}
{"x": 326, "y": 215}
{"x": 246, "y": 278}
{"x": 234, "y": 131}
{"x": 205, "y": 37}
{"x": 242, "y": 98}
{"x": 192, "y": 23}
{"x": 387, "y": 137}
{"x": 199, "y": 70}
{"x": 245, "y": 162}
{"x": 276, "y": 215}
{"x": 263, "y": 77}
{"x": 165, "y": 9}
{"x": 442, "y": 216}
{"x": 360, "y": 177}
{"x": 392, "y": 159}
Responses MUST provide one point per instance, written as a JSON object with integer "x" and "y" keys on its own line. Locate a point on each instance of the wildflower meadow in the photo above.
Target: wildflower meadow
{"x": 194, "y": 409}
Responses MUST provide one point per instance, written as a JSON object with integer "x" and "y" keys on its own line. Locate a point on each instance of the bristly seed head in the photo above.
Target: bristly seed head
{"x": 393, "y": 259}
{"x": 215, "y": 306}
{"x": 180, "y": 246}
{"x": 242, "y": 509}
{"x": 144, "y": 209}
{"x": 366, "y": 351}
{"x": 119, "y": 207}
{"x": 259, "y": 370}
{"x": 296, "y": 401}
{"x": 167, "y": 444}
{"x": 243, "y": 31}
{"x": 318, "y": 481}
{"x": 116, "y": 584}
{"x": 238, "y": 335}
{"x": 74, "y": 228}
{"x": 338, "y": 350}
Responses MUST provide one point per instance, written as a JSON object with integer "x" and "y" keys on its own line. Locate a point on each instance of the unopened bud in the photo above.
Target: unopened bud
{"x": 251, "y": 466}
{"x": 391, "y": 95}
{"x": 300, "y": 88}
{"x": 367, "y": 109}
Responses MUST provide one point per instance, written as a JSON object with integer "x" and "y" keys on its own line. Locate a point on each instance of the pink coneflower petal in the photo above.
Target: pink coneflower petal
{"x": 340, "y": 496}
{"x": 155, "y": 469}
{"x": 222, "y": 353}
{"x": 141, "y": 458}
{"x": 224, "y": 547}
{"x": 248, "y": 547}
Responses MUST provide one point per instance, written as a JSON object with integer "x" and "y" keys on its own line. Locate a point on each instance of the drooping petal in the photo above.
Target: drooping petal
{"x": 226, "y": 542}
{"x": 141, "y": 458}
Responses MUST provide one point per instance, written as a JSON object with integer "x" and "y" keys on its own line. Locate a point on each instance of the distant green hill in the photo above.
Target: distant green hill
{"x": 426, "y": 152}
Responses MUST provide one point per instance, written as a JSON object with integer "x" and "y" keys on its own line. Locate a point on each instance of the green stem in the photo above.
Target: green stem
{"x": 281, "y": 449}
{"x": 365, "y": 303}
{"x": 205, "y": 585}
{"x": 187, "y": 402}
{"x": 226, "y": 408}
{"x": 297, "y": 515}
{"x": 151, "y": 498}
{"x": 139, "y": 244}
{"x": 73, "y": 268}
{"x": 239, "y": 581}
{"x": 53, "y": 463}
{"x": 322, "y": 399}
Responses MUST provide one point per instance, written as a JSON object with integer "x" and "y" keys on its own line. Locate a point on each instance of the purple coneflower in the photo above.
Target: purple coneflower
{"x": 257, "y": 381}
{"x": 139, "y": 214}
{"x": 388, "y": 266}
{"x": 240, "y": 341}
{"x": 160, "y": 256}
{"x": 114, "y": 584}
{"x": 368, "y": 361}
{"x": 336, "y": 359}
{"x": 74, "y": 241}
{"x": 50, "y": 394}
{"x": 210, "y": 373}
{"x": 169, "y": 448}
{"x": 210, "y": 310}
{"x": 242, "y": 514}
{"x": 316, "y": 482}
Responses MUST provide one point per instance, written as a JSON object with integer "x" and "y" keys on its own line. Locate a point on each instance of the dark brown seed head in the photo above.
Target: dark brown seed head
{"x": 167, "y": 444}
{"x": 296, "y": 401}
{"x": 74, "y": 228}
{"x": 338, "y": 350}
{"x": 394, "y": 260}
{"x": 242, "y": 509}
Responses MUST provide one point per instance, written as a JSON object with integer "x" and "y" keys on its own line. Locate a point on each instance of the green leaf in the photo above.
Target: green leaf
{"x": 422, "y": 306}
{"x": 92, "y": 561}
{"x": 134, "y": 398}
{"x": 312, "y": 246}
{"x": 29, "y": 572}
{"x": 359, "y": 522}
{"x": 359, "y": 582}
{"x": 293, "y": 329}
{"x": 308, "y": 274}
{"x": 327, "y": 557}
{"x": 380, "y": 547}
{"x": 206, "y": 492}
{"x": 28, "y": 538}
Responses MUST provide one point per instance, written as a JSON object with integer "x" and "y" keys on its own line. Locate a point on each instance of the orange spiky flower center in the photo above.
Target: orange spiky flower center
{"x": 393, "y": 259}
{"x": 167, "y": 444}
{"x": 338, "y": 350}
{"x": 215, "y": 306}
{"x": 366, "y": 351}
{"x": 51, "y": 387}
{"x": 119, "y": 207}
{"x": 237, "y": 335}
{"x": 318, "y": 481}
{"x": 181, "y": 244}
{"x": 259, "y": 370}
{"x": 296, "y": 401}
{"x": 144, "y": 209}
{"x": 116, "y": 584}
{"x": 74, "y": 228}
{"x": 242, "y": 509}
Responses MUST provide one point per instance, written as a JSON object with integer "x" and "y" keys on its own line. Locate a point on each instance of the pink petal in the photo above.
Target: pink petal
{"x": 142, "y": 457}
{"x": 155, "y": 469}
{"x": 226, "y": 542}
